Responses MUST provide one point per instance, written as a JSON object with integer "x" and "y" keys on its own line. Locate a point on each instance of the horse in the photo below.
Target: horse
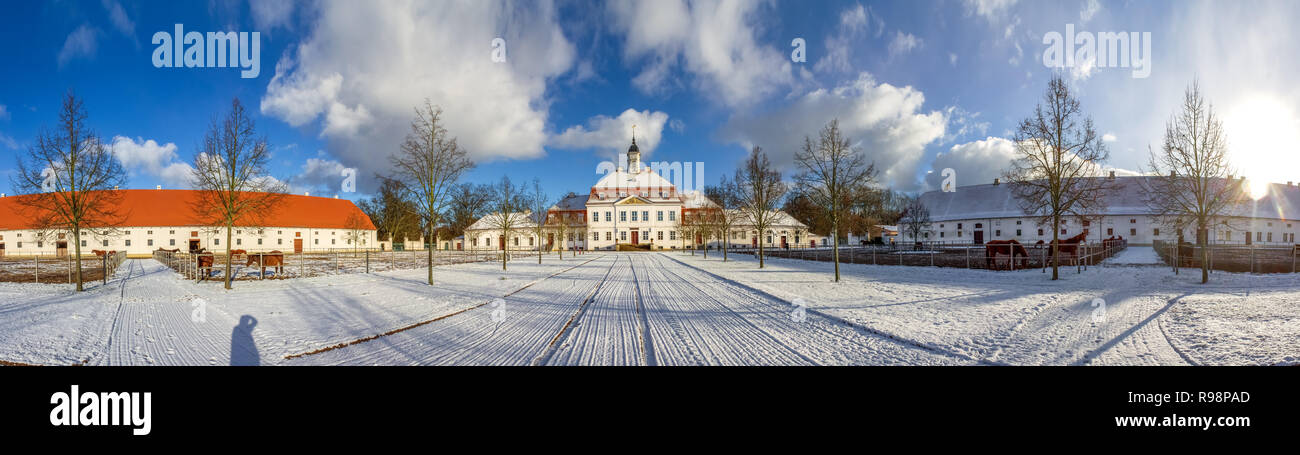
{"x": 164, "y": 250}
{"x": 205, "y": 261}
{"x": 234, "y": 253}
{"x": 272, "y": 259}
{"x": 1068, "y": 246}
{"x": 1011, "y": 248}
{"x": 99, "y": 253}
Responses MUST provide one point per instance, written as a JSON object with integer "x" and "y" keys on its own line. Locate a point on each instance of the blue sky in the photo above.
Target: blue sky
{"x": 919, "y": 85}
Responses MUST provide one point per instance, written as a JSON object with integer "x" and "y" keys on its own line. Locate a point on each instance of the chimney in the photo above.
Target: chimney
{"x": 1112, "y": 175}
{"x": 996, "y": 181}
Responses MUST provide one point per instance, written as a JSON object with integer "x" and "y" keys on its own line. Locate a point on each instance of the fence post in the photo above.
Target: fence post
{"x": 261, "y": 266}
{"x": 367, "y": 261}
{"x": 301, "y": 266}
{"x": 1252, "y": 259}
{"x": 967, "y": 257}
{"x": 103, "y": 260}
{"x": 36, "y": 260}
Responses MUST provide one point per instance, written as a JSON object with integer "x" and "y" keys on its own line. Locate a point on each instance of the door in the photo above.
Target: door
{"x": 297, "y": 245}
{"x": 194, "y": 244}
{"x": 979, "y": 237}
{"x": 550, "y": 242}
{"x": 636, "y": 237}
{"x": 62, "y": 248}
{"x": 502, "y": 242}
{"x": 753, "y": 242}
{"x": 2, "y": 250}
{"x": 783, "y": 245}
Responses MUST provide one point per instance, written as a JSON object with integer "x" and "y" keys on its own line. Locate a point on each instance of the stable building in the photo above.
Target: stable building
{"x": 154, "y": 219}
{"x": 981, "y": 213}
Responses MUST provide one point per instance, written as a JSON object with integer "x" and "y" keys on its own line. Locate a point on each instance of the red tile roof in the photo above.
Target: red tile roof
{"x": 141, "y": 208}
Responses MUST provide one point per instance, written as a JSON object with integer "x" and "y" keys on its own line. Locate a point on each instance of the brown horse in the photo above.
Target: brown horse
{"x": 272, "y": 259}
{"x": 1011, "y": 248}
{"x": 1068, "y": 247}
{"x": 205, "y": 261}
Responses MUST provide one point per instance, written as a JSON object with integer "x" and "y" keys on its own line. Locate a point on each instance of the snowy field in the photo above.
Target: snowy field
{"x": 661, "y": 309}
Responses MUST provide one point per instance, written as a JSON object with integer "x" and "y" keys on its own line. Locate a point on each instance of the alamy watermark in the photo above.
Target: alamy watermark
{"x": 1102, "y": 50}
{"x": 215, "y": 50}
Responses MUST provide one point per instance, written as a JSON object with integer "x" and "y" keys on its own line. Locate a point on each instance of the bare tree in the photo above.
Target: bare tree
{"x": 1056, "y": 172}
{"x": 68, "y": 180}
{"x": 429, "y": 164}
{"x": 727, "y": 212}
{"x": 915, "y": 219}
{"x": 760, "y": 191}
{"x": 832, "y": 171}
{"x": 390, "y": 210}
{"x": 468, "y": 203}
{"x": 561, "y": 223}
{"x": 509, "y": 207}
{"x": 355, "y": 226}
{"x": 538, "y": 204}
{"x": 232, "y": 178}
{"x": 1191, "y": 185}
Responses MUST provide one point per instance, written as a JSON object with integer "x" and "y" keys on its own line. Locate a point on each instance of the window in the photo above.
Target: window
{"x": 530, "y": 241}
{"x": 645, "y": 215}
{"x": 214, "y": 242}
{"x": 1258, "y": 236}
{"x": 959, "y": 226}
{"x": 171, "y": 242}
{"x": 1132, "y": 221}
{"x": 517, "y": 240}
{"x": 239, "y": 241}
{"x": 1155, "y": 232}
{"x": 595, "y": 236}
{"x": 622, "y": 235}
{"x": 672, "y": 235}
{"x": 661, "y": 233}
{"x": 997, "y": 233}
{"x": 279, "y": 241}
{"x": 1110, "y": 231}
{"x": 1132, "y": 232}
{"x": 148, "y": 232}
{"x": 659, "y": 216}
{"x": 172, "y": 231}
{"x": 940, "y": 234}
{"x": 42, "y": 244}
{"x": 128, "y": 242}
{"x": 622, "y": 215}
{"x": 1062, "y": 231}
{"x": 1270, "y": 236}
{"x": 672, "y": 215}
{"x": 607, "y": 236}
{"x": 1017, "y": 222}
{"x": 1017, "y": 233}
{"x": 20, "y": 244}
{"x": 316, "y": 241}
{"x": 979, "y": 225}
{"x": 259, "y": 241}
{"x": 105, "y": 243}
{"x": 608, "y": 217}
{"x": 1040, "y": 232}
{"x": 634, "y": 215}
{"x": 150, "y": 242}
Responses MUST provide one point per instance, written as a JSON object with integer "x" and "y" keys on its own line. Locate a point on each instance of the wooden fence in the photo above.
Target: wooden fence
{"x": 968, "y": 256}
{"x": 1231, "y": 257}
{"x": 262, "y": 265}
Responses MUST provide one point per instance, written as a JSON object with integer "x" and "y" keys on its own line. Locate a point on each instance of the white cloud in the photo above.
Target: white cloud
{"x": 855, "y": 22}
{"x": 1090, "y": 9}
{"x": 80, "y": 44}
{"x": 975, "y": 163}
{"x": 903, "y": 43}
{"x": 147, "y": 157}
{"x": 8, "y": 142}
{"x": 886, "y": 121}
{"x": 365, "y": 94}
{"x": 992, "y": 10}
{"x": 117, "y": 16}
{"x": 1108, "y": 137}
{"x": 269, "y": 14}
{"x": 713, "y": 41}
{"x": 320, "y": 176}
{"x": 614, "y": 134}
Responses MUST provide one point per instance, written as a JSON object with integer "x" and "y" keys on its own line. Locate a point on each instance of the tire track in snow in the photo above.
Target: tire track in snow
{"x": 859, "y": 328}
{"x": 436, "y": 319}
{"x": 546, "y": 354}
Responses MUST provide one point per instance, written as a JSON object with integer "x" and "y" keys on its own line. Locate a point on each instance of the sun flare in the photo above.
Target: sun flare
{"x": 1263, "y": 141}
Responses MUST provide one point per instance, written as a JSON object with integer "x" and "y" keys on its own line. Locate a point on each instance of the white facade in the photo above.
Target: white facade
{"x": 980, "y": 213}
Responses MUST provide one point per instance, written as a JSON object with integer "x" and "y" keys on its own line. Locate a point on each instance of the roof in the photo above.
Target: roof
{"x": 696, "y": 199}
{"x": 146, "y": 208}
{"x": 644, "y": 180}
{"x": 1128, "y": 198}
{"x": 571, "y": 202}
{"x": 493, "y": 221}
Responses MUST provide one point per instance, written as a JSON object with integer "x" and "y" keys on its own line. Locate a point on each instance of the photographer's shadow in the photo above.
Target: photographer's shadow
{"x": 243, "y": 351}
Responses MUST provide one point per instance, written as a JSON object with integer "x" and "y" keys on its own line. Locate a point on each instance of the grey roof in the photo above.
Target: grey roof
{"x": 571, "y": 202}
{"x": 1128, "y": 198}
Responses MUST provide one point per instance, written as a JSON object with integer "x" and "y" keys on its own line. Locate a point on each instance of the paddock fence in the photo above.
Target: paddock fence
{"x": 56, "y": 269}
{"x": 262, "y": 265}
{"x": 952, "y": 255}
{"x": 1268, "y": 258}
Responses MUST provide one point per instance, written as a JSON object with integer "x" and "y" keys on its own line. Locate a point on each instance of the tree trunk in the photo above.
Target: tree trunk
{"x": 835, "y": 252}
{"x": 229, "y": 235}
{"x": 76, "y": 244}
{"x": 760, "y": 248}
{"x": 429, "y": 260}
{"x": 1056, "y": 246}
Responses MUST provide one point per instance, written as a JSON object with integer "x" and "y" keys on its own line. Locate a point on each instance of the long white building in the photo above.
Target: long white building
{"x": 980, "y": 213}
{"x": 154, "y": 219}
{"x": 631, "y": 206}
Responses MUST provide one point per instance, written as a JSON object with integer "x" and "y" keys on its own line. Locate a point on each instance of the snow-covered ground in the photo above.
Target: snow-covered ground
{"x": 1136, "y": 255}
{"x": 660, "y": 309}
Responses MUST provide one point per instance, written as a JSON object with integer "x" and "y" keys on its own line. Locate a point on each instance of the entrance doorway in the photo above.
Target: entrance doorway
{"x": 979, "y": 237}
{"x": 636, "y": 238}
{"x": 783, "y": 244}
{"x": 297, "y": 245}
{"x": 194, "y": 244}
{"x": 61, "y": 248}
